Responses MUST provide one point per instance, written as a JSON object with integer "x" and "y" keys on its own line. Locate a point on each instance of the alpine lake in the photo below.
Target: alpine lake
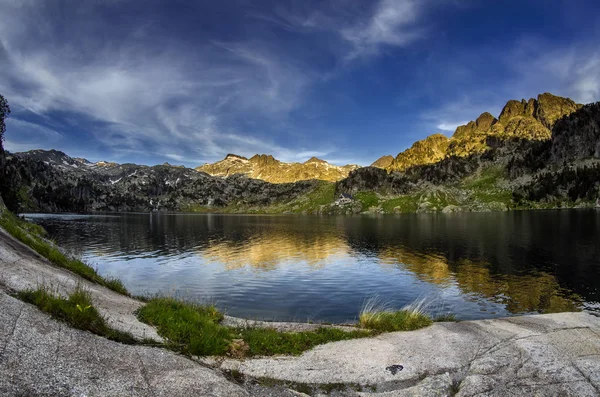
{"x": 327, "y": 268}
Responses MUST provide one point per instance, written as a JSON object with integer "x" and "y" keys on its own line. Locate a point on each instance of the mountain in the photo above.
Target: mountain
{"x": 429, "y": 150}
{"x": 538, "y": 153}
{"x": 527, "y": 167}
{"x": 51, "y": 181}
{"x": 532, "y": 119}
{"x": 383, "y": 162}
{"x": 269, "y": 169}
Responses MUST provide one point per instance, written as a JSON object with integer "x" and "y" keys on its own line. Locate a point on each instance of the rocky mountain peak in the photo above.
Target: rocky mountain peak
{"x": 82, "y": 160}
{"x": 426, "y": 151}
{"x": 481, "y": 125}
{"x": 514, "y": 108}
{"x": 550, "y": 108}
{"x": 263, "y": 159}
{"x": 383, "y": 161}
{"x": 268, "y": 168}
{"x": 106, "y": 164}
{"x": 485, "y": 121}
{"x": 530, "y": 119}
{"x": 315, "y": 160}
{"x": 232, "y": 156}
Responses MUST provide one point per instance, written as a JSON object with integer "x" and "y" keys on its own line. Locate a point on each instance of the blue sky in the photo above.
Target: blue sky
{"x": 348, "y": 81}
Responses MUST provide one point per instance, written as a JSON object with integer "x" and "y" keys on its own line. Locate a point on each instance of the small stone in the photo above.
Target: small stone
{"x": 394, "y": 369}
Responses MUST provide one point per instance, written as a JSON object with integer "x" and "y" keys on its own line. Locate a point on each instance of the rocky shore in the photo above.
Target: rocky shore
{"x": 554, "y": 354}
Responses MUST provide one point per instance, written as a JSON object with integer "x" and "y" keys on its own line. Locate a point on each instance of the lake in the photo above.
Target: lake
{"x": 325, "y": 268}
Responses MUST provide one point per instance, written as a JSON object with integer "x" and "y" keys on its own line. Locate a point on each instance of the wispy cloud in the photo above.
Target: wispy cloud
{"x": 460, "y": 110}
{"x": 569, "y": 70}
{"x": 362, "y": 28}
{"x": 185, "y": 100}
{"x": 531, "y": 66}
{"x": 393, "y": 23}
{"x": 261, "y": 80}
{"x": 450, "y": 126}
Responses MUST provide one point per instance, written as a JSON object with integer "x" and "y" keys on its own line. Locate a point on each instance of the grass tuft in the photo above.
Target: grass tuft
{"x": 445, "y": 318}
{"x": 34, "y": 236}
{"x": 195, "y": 329}
{"x": 268, "y": 341}
{"x": 382, "y": 319}
{"x": 188, "y": 327}
{"x": 76, "y": 310}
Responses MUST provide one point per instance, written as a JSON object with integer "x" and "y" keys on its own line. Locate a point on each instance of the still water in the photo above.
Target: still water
{"x": 474, "y": 265}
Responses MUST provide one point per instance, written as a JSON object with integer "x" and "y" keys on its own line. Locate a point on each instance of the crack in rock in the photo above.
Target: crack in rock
{"x": 144, "y": 372}
{"x": 12, "y": 332}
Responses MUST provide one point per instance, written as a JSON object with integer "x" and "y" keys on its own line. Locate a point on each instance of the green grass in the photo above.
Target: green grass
{"x": 487, "y": 178}
{"x": 408, "y": 203}
{"x": 195, "y": 329}
{"x": 267, "y": 342}
{"x": 444, "y": 318}
{"x": 500, "y": 195}
{"x": 440, "y": 199}
{"x": 323, "y": 194}
{"x": 367, "y": 199}
{"x": 484, "y": 187}
{"x": 34, "y": 236}
{"x": 188, "y": 327}
{"x": 76, "y": 310}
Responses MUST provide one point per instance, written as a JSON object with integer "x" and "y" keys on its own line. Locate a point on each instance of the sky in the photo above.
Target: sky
{"x": 187, "y": 82}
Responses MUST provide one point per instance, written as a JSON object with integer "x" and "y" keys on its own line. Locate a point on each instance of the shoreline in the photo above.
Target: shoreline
{"x": 258, "y": 213}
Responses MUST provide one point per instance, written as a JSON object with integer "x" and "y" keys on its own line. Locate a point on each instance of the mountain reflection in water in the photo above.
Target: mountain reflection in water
{"x": 324, "y": 268}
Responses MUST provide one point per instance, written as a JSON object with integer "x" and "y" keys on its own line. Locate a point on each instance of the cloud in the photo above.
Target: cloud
{"x": 247, "y": 146}
{"x": 15, "y": 147}
{"x": 393, "y": 23}
{"x": 457, "y": 111}
{"x": 137, "y": 94}
{"x": 567, "y": 70}
{"x": 133, "y": 90}
{"x": 529, "y": 67}
{"x": 33, "y": 129}
{"x": 30, "y": 135}
{"x": 362, "y": 29}
{"x": 450, "y": 126}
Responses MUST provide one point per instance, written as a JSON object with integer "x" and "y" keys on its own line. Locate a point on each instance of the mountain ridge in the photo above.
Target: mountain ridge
{"x": 513, "y": 162}
{"x": 269, "y": 169}
{"x": 528, "y": 119}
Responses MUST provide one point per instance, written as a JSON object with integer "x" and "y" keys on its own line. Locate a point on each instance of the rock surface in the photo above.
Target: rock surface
{"x": 427, "y": 151}
{"x": 383, "y": 161}
{"x": 555, "y": 354}
{"x": 575, "y": 138}
{"x": 21, "y": 269}
{"x": 43, "y": 357}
